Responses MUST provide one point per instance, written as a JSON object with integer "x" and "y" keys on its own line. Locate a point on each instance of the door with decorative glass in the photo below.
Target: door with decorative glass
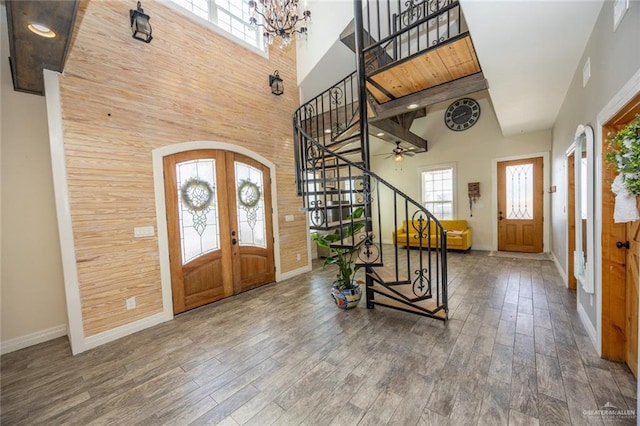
{"x": 520, "y": 223}
{"x": 219, "y": 223}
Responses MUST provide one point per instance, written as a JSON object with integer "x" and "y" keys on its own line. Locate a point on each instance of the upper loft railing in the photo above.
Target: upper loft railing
{"x": 400, "y": 29}
{"x": 331, "y": 119}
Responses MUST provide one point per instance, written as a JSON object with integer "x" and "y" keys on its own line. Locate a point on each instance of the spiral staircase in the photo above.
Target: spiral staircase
{"x": 409, "y": 55}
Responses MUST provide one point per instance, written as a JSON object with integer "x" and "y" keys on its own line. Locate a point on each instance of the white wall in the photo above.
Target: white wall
{"x": 334, "y": 15}
{"x": 615, "y": 57}
{"x": 31, "y": 287}
{"x": 472, "y": 150}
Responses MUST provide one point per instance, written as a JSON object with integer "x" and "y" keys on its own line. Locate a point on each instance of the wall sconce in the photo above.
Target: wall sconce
{"x": 277, "y": 86}
{"x": 140, "y": 26}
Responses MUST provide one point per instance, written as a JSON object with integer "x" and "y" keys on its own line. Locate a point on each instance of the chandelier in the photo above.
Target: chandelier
{"x": 280, "y": 18}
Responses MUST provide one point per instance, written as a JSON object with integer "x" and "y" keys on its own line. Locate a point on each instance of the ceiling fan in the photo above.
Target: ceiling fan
{"x": 399, "y": 152}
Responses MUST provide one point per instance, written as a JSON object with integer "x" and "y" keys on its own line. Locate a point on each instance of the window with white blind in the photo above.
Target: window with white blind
{"x": 438, "y": 190}
{"x": 231, "y": 16}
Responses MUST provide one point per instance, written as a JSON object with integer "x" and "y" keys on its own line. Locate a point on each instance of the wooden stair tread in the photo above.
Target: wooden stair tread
{"x": 349, "y": 132}
{"x": 386, "y": 297}
{"x": 335, "y": 145}
{"x": 406, "y": 290}
{"x": 391, "y": 303}
{"x": 349, "y": 241}
{"x": 345, "y": 222}
{"x": 387, "y": 275}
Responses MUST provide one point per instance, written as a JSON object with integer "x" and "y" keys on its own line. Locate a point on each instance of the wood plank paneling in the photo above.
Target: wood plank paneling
{"x": 120, "y": 100}
{"x": 614, "y": 304}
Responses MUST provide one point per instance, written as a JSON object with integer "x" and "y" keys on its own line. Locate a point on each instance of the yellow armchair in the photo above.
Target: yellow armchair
{"x": 458, "y": 235}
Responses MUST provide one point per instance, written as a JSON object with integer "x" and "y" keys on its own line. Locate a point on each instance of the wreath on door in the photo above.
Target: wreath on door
{"x": 624, "y": 154}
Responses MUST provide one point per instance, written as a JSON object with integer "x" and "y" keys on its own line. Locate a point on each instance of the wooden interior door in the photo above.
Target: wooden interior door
{"x": 520, "y": 222}
{"x": 631, "y": 296}
{"x": 619, "y": 264}
{"x": 219, "y": 226}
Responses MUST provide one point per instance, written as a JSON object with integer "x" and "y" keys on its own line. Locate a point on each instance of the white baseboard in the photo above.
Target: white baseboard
{"x": 560, "y": 269}
{"x": 42, "y": 336}
{"x": 294, "y": 273}
{"x": 125, "y": 330}
{"x": 591, "y": 331}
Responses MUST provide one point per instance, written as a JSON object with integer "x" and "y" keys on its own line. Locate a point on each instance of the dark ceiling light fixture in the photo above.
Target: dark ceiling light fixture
{"x": 277, "y": 86}
{"x": 140, "y": 26}
{"x": 280, "y": 19}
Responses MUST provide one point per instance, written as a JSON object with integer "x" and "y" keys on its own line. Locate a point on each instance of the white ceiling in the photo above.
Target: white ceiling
{"x": 529, "y": 52}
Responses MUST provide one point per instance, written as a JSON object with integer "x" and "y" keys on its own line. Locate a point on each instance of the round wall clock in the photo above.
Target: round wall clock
{"x": 462, "y": 114}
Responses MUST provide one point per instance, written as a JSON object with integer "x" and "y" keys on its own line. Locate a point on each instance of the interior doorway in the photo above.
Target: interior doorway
{"x": 620, "y": 262}
{"x": 520, "y": 205}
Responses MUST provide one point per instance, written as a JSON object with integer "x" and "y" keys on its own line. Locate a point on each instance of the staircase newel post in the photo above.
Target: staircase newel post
{"x": 364, "y": 130}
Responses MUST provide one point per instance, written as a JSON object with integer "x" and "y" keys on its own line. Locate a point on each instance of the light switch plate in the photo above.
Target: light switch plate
{"x": 143, "y": 231}
{"x": 288, "y": 218}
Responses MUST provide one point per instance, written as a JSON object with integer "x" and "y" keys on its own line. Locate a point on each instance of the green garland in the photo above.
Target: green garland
{"x": 624, "y": 154}
{"x": 196, "y": 194}
{"x": 249, "y": 194}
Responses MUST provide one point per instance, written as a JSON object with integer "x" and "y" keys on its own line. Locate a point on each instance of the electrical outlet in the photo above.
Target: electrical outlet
{"x": 288, "y": 218}
{"x": 143, "y": 231}
{"x": 131, "y": 303}
{"x": 298, "y": 257}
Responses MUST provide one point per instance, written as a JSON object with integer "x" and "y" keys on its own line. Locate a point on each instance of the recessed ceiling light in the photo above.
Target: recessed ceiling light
{"x": 380, "y": 134}
{"x": 327, "y": 131}
{"x": 413, "y": 106}
{"x": 41, "y": 30}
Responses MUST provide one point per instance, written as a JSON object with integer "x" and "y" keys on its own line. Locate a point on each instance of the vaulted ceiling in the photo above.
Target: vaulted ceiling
{"x": 528, "y": 51}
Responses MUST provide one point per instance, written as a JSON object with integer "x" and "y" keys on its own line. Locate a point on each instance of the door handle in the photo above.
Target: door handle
{"x": 620, "y": 244}
{"x": 234, "y": 241}
{"x": 500, "y": 217}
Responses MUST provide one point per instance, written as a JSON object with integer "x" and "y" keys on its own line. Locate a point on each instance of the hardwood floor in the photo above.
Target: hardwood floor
{"x": 513, "y": 352}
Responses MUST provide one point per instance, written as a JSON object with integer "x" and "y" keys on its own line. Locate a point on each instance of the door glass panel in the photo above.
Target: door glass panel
{"x": 197, "y": 208}
{"x": 520, "y": 191}
{"x": 250, "y": 202}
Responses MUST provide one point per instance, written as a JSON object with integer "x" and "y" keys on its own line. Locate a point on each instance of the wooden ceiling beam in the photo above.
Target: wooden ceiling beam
{"x": 30, "y": 54}
{"x": 444, "y": 92}
{"x": 394, "y": 132}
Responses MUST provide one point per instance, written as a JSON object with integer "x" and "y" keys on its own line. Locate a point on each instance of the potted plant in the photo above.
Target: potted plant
{"x": 345, "y": 291}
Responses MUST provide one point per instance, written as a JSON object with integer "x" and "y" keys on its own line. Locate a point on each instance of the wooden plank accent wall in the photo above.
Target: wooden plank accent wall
{"x": 122, "y": 98}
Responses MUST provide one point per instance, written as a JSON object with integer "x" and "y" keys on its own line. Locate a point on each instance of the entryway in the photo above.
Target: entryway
{"x": 520, "y": 205}
{"x": 219, "y": 225}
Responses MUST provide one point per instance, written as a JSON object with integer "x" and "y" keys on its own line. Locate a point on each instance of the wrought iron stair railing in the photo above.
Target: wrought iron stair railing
{"x": 333, "y": 180}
